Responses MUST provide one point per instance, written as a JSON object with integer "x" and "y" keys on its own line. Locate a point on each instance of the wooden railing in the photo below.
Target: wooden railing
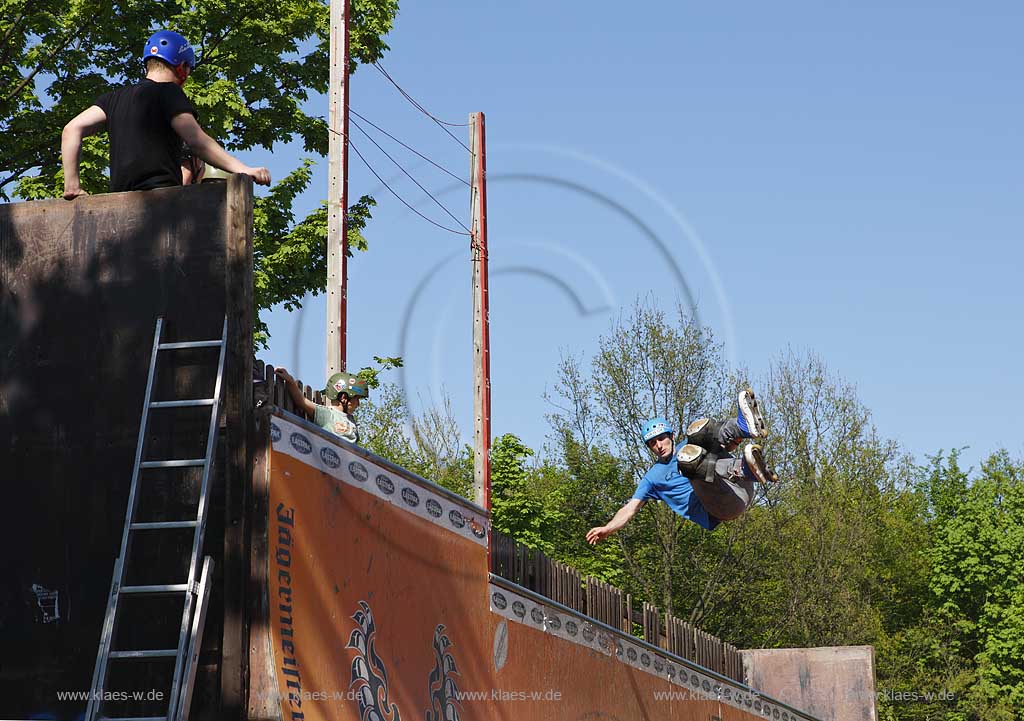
{"x": 273, "y": 392}
{"x": 532, "y": 569}
{"x": 603, "y": 602}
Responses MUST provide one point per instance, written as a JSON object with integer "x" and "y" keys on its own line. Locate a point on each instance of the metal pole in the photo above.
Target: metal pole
{"x": 337, "y": 195}
{"x": 481, "y": 313}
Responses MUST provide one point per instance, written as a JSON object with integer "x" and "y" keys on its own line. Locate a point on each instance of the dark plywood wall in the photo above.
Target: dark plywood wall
{"x": 81, "y": 284}
{"x": 835, "y": 683}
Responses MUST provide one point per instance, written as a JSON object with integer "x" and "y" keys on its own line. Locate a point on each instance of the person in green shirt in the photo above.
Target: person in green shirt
{"x": 344, "y": 392}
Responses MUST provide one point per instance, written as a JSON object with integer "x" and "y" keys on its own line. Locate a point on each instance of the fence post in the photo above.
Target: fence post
{"x": 652, "y": 628}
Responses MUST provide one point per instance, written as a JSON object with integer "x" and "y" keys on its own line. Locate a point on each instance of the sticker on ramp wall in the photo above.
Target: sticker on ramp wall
{"x": 500, "y": 645}
{"x": 48, "y": 602}
{"x": 369, "y": 677}
{"x": 336, "y": 461}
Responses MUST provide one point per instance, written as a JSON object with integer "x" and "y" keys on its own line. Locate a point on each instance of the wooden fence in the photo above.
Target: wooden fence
{"x": 269, "y": 390}
{"x": 603, "y": 602}
{"x": 532, "y": 569}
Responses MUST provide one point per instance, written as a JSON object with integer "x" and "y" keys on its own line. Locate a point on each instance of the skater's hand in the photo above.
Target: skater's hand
{"x": 284, "y": 375}
{"x": 620, "y": 519}
{"x": 261, "y": 176}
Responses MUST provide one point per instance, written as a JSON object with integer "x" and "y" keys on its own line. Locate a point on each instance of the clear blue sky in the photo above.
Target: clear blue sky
{"x": 841, "y": 178}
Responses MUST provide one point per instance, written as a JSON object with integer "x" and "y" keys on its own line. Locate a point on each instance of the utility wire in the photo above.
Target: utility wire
{"x": 410, "y": 149}
{"x": 440, "y": 123}
{"x": 413, "y": 101}
{"x": 404, "y": 202}
{"x": 408, "y": 175}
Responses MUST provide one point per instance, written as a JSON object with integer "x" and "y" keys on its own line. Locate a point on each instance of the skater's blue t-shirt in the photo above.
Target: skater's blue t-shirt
{"x": 664, "y": 482}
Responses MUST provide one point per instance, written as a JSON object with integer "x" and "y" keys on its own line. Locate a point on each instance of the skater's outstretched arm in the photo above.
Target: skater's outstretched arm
{"x": 295, "y": 392}
{"x": 620, "y": 519}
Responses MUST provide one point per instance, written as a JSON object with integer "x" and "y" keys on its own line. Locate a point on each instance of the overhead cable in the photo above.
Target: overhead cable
{"x": 400, "y": 198}
{"x": 408, "y": 175}
{"x": 410, "y": 149}
{"x": 440, "y": 123}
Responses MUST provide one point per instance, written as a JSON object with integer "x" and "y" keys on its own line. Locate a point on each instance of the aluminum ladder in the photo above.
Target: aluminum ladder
{"x": 196, "y": 589}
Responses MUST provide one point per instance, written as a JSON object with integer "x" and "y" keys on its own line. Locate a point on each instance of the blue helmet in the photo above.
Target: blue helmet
{"x": 655, "y": 427}
{"x": 170, "y": 47}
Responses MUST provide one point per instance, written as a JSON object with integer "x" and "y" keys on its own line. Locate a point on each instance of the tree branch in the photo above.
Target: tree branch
{"x": 11, "y": 178}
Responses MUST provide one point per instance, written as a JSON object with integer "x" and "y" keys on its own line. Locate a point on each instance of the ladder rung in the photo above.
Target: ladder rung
{"x": 159, "y": 525}
{"x": 191, "y": 344}
{"x": 174, "y": 464}
{"x": 183, "y": 404}
{"x": 161, "y": 589}
{"x": 157, "y": 653}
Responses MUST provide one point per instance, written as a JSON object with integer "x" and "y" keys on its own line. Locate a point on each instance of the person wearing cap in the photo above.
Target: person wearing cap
{"x": 150, "y": 124}
{"x": 699, "y": 479}
{"x": 344, "y": 391}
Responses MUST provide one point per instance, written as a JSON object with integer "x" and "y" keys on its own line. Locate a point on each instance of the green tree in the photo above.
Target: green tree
{"x": 977, "y": 581}
{"x": 521, "y": 507}
{"x": 258, "y": 65}
{"x": 836, "y": 538}
{"x": 589, "y": 483}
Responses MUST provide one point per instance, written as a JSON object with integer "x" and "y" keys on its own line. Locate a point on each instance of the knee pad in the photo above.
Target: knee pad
{"x": 689, "y": 459}
{"x": 703, "y": 432}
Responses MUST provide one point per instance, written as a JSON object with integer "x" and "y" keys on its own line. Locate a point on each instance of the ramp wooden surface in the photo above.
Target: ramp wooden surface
{"x": 377, "y": 604}
{"x": 81, "y": 285}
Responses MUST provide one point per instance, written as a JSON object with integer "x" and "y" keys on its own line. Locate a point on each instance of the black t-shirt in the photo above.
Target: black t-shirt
{"x": 145, "y": 152}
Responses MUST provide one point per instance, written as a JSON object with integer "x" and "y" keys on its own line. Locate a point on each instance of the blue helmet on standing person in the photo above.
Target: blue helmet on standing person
{"x": 654, "y": 428}
{"x": 170, "y": 47}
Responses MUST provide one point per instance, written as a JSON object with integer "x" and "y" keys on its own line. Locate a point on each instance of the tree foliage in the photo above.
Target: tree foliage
{"x": 841, "y": 504}
{"x": 977, "y": 580}
{"x": 520, "y": 506}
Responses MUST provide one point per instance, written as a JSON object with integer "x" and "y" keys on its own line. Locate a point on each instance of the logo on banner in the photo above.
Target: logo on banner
{"x": 330, "y": 457}
{"x": 301, "y": 443}
{"x": 385, "y": 484}
{"x": 477, "y": 528}
{"x": 358, "y": 471}
{"x": 410, "y": 497}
